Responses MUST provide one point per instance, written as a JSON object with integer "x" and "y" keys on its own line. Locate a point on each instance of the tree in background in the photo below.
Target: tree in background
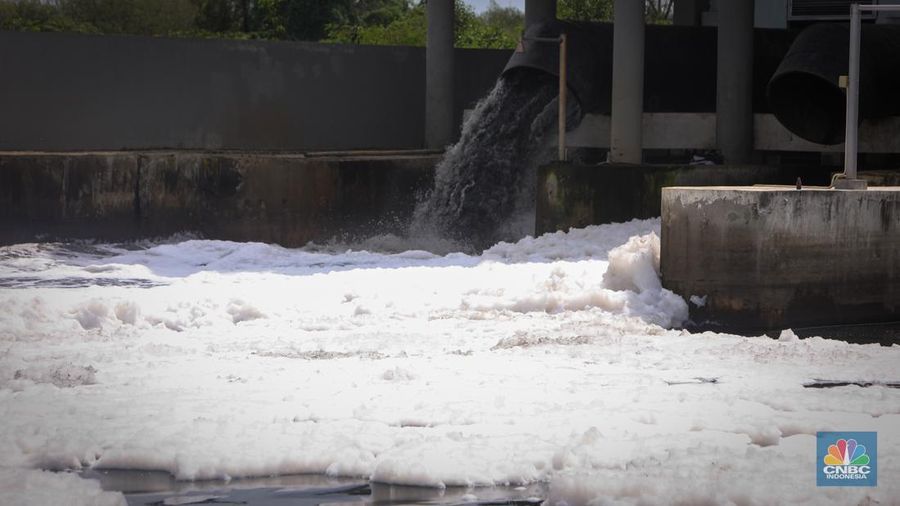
{"x": 383, "y": 22}
{"x": 38, "y": 16}
{"x": 509, "y": 20}
{"x": 365, "y": 21}
{"x": 658, "y": 11}
{"x": 655, "y": 11}
{"x": 240, "y": 19}
{"x": 294, "y": 19}
{"x": 585, "y": 10}
{"x": 497, "y": 27}
{"x": 138, "y": 17}
{"x": 309, "y": 19}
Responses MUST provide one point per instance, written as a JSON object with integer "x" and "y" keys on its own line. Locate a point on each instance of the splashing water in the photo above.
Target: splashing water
{"x": 484, "y": 186}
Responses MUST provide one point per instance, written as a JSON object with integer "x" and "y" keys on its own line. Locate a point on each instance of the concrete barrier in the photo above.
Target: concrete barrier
{"x": 774, "y": 257}
{"x": 285, "y": 199}
{"x": 576, "y": 195}
{"x": 73, "y": 92}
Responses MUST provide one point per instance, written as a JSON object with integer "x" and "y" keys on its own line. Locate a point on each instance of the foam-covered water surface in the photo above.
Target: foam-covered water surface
{"x": 558, "y": 360}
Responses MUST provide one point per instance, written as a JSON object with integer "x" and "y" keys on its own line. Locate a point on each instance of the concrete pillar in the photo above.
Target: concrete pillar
{"x": 627, "y": 82}
{"x": 439, "y": 125}
{"x": 539, "y": 10}
{"x": 734, "y": 82}
{"x": 689, "y": 12}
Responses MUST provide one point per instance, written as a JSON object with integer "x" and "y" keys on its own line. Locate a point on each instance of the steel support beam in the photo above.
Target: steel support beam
{"x": 439, "y": 125}
{"x": 627, "y": 82}
{"x": 734, "y": 83}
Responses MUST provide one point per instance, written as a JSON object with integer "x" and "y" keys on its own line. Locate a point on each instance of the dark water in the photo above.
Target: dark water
{"x": 484, "y": 186}
{"x": 885, "y": 334}
{"x": 159, "y": 488}
{"x": 74, "y": 282}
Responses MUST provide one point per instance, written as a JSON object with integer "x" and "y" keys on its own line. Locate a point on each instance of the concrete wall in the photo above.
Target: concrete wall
{"x": 78, "y": 92}
{"x": 575, "y": 195}
{"x": 775, "y": 257}
{"x": 285, "y": 199}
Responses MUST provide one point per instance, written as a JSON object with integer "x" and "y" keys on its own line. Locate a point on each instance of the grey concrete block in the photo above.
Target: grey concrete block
{"x": 775, "y": 257}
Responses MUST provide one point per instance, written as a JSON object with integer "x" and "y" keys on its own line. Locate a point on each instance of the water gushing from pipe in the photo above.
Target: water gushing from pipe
{"x": 484, "y": 186}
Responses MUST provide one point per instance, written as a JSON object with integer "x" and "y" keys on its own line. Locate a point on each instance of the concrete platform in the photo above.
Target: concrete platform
{"x": 767, "y": 257}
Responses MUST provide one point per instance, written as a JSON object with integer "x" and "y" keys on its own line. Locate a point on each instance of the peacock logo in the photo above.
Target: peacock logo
{"x": 847, "y": 459}
{"x": 846, "y": 452}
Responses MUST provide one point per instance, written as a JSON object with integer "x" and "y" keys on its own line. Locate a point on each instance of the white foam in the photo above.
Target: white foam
{"x": 553, "y": 359}
{"x": 21, "y": 487}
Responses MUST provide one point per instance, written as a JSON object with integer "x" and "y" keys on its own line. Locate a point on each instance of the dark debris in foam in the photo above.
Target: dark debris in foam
{"x": 822, "y": 383}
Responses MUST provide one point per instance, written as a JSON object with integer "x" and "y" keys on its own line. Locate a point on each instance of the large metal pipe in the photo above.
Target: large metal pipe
{"x": 589, "y": 59}
{"x": 539, "y": 11}
{"x": 804, "y": 92}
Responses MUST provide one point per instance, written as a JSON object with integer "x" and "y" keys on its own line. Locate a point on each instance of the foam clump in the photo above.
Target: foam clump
{"x": 21, "y": 487}
{"x": 634, "y": 266}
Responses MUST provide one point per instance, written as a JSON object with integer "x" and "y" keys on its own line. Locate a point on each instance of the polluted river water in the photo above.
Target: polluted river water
{"x": 557, "y": 360}
{"x": 552, "y": 369}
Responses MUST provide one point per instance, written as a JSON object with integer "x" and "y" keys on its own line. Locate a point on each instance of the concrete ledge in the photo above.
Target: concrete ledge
{"x": 575, "y": 195}
{"x": 285, "y": 199}
{"x": 774, "y": 257}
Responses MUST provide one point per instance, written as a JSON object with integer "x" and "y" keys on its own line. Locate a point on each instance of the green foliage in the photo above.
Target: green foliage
{"x": 239, "y": 19}
{"x": 36, "y": 16}
{"x": 497, "y": 27}
{"x": 510, "y": 20}
{"x": 655, "y": 11}
{"x": 659, "y": 11}
{"x": 585, "y": 10}
{"x": 387, "y": 22}
{"x": 381, "y": 22}
{"x": 309, "y": 19}
{"x": 140, "y": 17}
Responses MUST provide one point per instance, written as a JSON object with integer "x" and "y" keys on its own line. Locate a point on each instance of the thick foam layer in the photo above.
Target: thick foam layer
{"x": 542, "y": 360}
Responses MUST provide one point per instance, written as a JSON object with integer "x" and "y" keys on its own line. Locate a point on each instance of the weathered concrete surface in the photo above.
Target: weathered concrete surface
{"x": 41, "y": 196}
{"x": 775, "y": 257}
{"x": 285, "y": 199}
{"x": 574, "y": 195}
